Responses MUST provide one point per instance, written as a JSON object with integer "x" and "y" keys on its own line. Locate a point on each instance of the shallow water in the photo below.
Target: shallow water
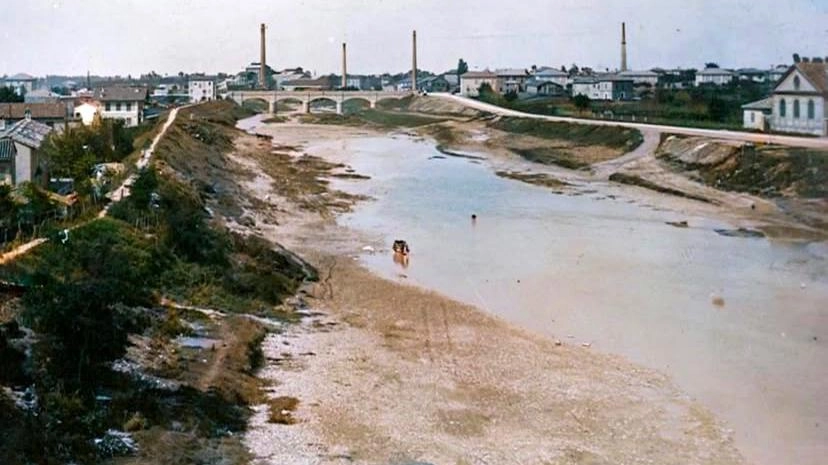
{"x": 610, "y": 272}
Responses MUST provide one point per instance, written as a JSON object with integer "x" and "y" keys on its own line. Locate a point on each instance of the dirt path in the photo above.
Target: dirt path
{"x": 793, "y": 141}
{"x": 119, "y": 193}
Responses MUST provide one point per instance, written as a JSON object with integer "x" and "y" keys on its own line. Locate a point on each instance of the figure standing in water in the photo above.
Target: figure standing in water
{"x": 401, "y": 252}
{"x": 474, "y": 219}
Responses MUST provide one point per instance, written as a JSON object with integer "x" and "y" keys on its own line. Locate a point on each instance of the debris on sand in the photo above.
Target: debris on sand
{"x": 368, "y": 248}
{"x": 717, "y": 300}
{"x": 740, "y": 232}
{"x": 678, "y": 224}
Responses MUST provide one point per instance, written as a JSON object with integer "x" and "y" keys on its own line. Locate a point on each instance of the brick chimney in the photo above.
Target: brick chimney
{"x": 262, "y": 59}
{"x": 623, "y": 47}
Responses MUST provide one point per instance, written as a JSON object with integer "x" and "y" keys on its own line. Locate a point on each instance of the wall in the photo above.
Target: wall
{"x": 23, "y": 164}
{"x": 753, "y": 119}
{"x": 469, "y": 86}
{"x": 803, "y": 124}
{"x": 132, "y": 117}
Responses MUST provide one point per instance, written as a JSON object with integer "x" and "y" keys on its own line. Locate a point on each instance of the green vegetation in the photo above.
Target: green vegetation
{"x": 579, "y": 134}
{"x": 8, "y": 95}
{"x": 96, "y": 298}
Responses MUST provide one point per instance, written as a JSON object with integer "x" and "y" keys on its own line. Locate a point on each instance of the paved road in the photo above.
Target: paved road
{"x": 808, "y": 142}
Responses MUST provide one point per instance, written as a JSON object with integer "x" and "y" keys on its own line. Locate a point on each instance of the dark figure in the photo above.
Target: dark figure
{"x": 400, "y": 247}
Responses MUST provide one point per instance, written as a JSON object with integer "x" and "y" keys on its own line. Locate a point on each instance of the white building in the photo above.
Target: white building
{"x": 714, "y": 76}
{"x": 757, "y": 114}
{"x": 799, "y": 100}
{"x": 123, "y": 103}
{"x": 557, "y": 76}
{"x": 603, "y": 88}
{"x": 202, "y": 88}
{"x": 641, "y": 77}
{"x": 87, "y": 112}
{"x": 471, "y": 81}
{"x": 22, "y": 83}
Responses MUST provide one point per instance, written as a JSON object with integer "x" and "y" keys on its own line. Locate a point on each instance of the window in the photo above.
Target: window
{"x": 752, "y": 117}
{"x": 128, "y": 106}
{"x": 796, "y": 109}
{"x": 797, "y": 82}
{"x": 118, "y": 106}
{"x": 811, "y": 112}
{"x": 783, "y": 110}
{"x": 108, "y": 106}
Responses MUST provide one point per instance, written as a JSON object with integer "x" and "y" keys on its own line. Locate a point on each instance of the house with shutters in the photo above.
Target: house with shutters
{"x": 123, "y": 103}
{"x": 800, "y": 100}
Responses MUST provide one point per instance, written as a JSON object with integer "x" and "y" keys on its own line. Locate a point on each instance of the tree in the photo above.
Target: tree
{"x": 462, "y": 67}
{"x": 8, "y": 95}
{"x": 796, "y": 58}
{"x": 711, "y": 65}
{"x": 511, "y": 96}
{"x": 581, "y": 101}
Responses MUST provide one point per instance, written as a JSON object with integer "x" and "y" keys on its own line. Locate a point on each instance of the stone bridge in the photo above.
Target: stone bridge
{"x": 271, "y": 97}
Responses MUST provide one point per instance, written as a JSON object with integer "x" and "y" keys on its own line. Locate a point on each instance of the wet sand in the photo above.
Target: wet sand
{"x": 390, "y": 373}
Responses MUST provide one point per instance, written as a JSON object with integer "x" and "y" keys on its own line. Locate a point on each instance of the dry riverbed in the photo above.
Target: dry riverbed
{"x": 381, "y": 372}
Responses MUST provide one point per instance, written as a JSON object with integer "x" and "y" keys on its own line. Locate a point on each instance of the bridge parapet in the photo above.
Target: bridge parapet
{"x": 339, "y": 97}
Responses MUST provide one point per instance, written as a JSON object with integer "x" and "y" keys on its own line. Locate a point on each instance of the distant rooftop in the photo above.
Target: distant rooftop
{"x": 764, "y": 104}
{"x": 38, "y": 110}
{"x": 121, "y": 94}
{"x": 479, "y": 75}
{"x": 28, "y": 132}
{"x": 21, "y": 77}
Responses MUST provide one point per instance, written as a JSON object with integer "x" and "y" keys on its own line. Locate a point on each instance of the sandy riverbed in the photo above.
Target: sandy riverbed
{"x": 389, "y": 373}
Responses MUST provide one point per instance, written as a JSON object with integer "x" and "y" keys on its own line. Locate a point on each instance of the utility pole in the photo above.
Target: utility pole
{"x": 414, "y": 62}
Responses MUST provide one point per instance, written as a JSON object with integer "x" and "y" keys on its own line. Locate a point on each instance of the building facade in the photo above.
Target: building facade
{"x": 122, "y": 103}
{"x": 552, "y": 75}
{"x": 20, "y": 159}
{"x": 604, "y": 88}
{"x": 22, "y": 83}
{"x": 799, "y": 100}
{"x": 756, "y": 115}
{"x": 641, "y": 77}
{"x": 471, "y": 81}
{"x": 201, "y": 88}
{"x": 714, "y": 76}
{"x": 512, "y": 80}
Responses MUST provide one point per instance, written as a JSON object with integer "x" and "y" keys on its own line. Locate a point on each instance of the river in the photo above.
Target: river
{"x": 603, "y": 268}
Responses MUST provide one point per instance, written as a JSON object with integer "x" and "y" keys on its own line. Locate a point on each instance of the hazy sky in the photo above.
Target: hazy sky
{"x": 167, "y": 36}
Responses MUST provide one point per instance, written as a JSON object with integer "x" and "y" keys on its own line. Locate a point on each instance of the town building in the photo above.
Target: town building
{"x": 87, "y": 112}
{"x": 320, "y": 83}
{"x": 752, "y": 74}
{"x": 122, "y": 103}
{"x": 202, "y": 88}
{"x": 609, "y": 87}
{"x": 776, "y": 73}
{"x": 512, "y": 80}
{"x": 471, "y": 81}
{"x": 552, "y": 75}
{"x": 41, "y": 96}
{"x": 52, "y": 115}
{"x": 20, "y": 158}
{"x": 22, "y": 83}
{"x": 641, "y": 77}
{"x": 542, "y": 88}
{"x": 800, "y": 100}
{"x": 714, "y": 76}
{"x": 756, "y": 115}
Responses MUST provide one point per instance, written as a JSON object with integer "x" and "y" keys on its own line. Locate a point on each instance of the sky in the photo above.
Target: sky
{"x": 109, "y": 37}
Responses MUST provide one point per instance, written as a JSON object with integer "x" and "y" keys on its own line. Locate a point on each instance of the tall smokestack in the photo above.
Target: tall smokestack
{"x": 414, "y": 63}
{"x": 623, "y": 47}
{"x": 344, "y": 65}
{"x": 262, "y": 60}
